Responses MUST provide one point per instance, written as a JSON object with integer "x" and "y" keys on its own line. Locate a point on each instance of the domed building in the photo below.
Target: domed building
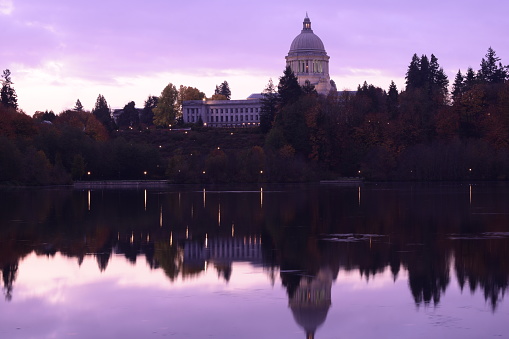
{"x": 308, "y": 59}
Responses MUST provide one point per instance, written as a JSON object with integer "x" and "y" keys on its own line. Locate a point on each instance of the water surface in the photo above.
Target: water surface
{"x": 323, "y": 261}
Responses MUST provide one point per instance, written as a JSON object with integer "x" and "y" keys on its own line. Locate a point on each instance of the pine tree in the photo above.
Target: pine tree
{"x": 268, "y": 107}
{"x": 490, "y": 71}
{"x": 147, "y": 115}
{"x": 308, "y": 88}
{"x": 393, "y": 100}
{"x": 8, "y": 95}
{"x": 288, "y": 88}
{"x": 102, "y": 112}
{"x": 458, "y": 87}
{"x": 78, "y": 107}
{"x": 413, "y": 75}
{"x": 470, "y": 79}
{"x": 223, "y": 89}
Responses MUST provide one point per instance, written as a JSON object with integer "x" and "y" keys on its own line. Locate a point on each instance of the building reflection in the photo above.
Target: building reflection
{"x": 311, "y": 301}
{"x": 305, "y": 231}
{"x": 222, "y": 252}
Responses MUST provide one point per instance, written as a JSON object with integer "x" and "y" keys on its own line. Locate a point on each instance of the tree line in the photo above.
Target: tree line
{"x": 419, "y": 133}
{"x": 422, "y": 132}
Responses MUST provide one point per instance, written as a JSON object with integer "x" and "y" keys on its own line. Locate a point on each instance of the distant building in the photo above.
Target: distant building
{"x": 307, "y": 59}
{"x": 224, "y": 113}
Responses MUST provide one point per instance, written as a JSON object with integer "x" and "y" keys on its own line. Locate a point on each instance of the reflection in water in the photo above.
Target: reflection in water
{"x": 311, "y": 301}
{"x": 306, "y": 233}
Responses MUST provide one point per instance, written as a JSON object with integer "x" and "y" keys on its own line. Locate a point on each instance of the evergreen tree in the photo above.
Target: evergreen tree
{"x": 167, "y": 108}
{"x": 457, "y": 87}
{"x": 308, "y": 88}
{"x": 268, "y": 108}
{"x": 470, "y": 79}
{"x": 102, "y": 112}
{"x": 8, "y": 95}
{"x": 413, "y": 75}
{"x": 224, "y": 89}
{"x": 147, "y": 114}
{"x": 393, "y": 100}
{"x": 492, "y": 70}
{"x": 129, "y": 116}
{"x": 288, "y": 88}
{"x": 78, "y": 107}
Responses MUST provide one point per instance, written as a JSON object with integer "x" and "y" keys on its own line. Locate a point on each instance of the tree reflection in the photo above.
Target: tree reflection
{"x": 431, "y": 232}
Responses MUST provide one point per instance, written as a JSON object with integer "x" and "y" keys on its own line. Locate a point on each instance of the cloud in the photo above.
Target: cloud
{"x": 6, "y": 7}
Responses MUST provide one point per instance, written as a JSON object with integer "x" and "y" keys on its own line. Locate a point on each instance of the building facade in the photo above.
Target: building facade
{"x": 223, "y": 113}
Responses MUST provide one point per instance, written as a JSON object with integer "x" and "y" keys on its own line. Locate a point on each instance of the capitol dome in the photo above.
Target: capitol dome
{"x": 308, "y": 60}
{"x": 307, "y": 41}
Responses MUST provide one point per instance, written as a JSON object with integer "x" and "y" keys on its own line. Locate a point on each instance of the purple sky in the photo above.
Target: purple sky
{"x": 59, "y": 50}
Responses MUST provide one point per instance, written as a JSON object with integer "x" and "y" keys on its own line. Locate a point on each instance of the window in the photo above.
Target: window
{"x": 221, "y": 118}
{"x": 251, "y": 117}
{"x": 236, "y": 118}
{"x": 226, "y": 118}
{"x": 236, "y": 110}
{"x": 256, "y": 117}
{"x": 241, "y": 118}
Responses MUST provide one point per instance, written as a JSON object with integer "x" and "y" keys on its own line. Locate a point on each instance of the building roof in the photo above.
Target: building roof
{"x": 307, "y": 42}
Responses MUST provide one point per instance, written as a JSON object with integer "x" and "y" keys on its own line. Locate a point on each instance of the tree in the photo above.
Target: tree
{"x": 470, "y": 79}
{"x": 393, "y": 100}
{"x": 413, "y": 75}
{"x": 490, "y": 71}
{"x": 218, "y": 97}
{"x": 129, "y": 116}
{"x": 289, "y": 90}
{"x": 147, "y": 114}
{"x": 308, "y": 88}
{"x": 458, "y": 87}
{"x": 8, "y": 95}
{"x": 78, "y": 107}
{"x": 167, "y": 108}
{"x": 188, "y": 93}
{"x": 102, "y": 113}
{"x": 268, "y": 108}
{"x": 224, "y": 89}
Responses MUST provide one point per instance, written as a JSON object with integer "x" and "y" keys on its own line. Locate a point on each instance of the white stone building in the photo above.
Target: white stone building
{"x": 224, "y": 113}
{"x": 307, "y": 59}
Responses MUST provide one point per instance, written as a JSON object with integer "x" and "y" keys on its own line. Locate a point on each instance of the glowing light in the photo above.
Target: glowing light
{"x": 206, "y": 241}
{"x": 89, "y": 200}
{"x": 219, "y": 216}
{"x": 359, "y": 189}
{"x": 233, "y": 230}
{"x": 148, "y": 238}
{"x": 132, "y": 238}
{"x": 187, "y": 232}
{"x": 204, "y": 198}
{"x": 261, "y": 196}
{"x": 171, "y": 239}
{"x": 145, "y": 200}
{"x": 161, "y": 217}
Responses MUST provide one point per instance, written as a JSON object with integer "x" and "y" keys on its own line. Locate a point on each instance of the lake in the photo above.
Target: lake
{"x": 261, "y": 261}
